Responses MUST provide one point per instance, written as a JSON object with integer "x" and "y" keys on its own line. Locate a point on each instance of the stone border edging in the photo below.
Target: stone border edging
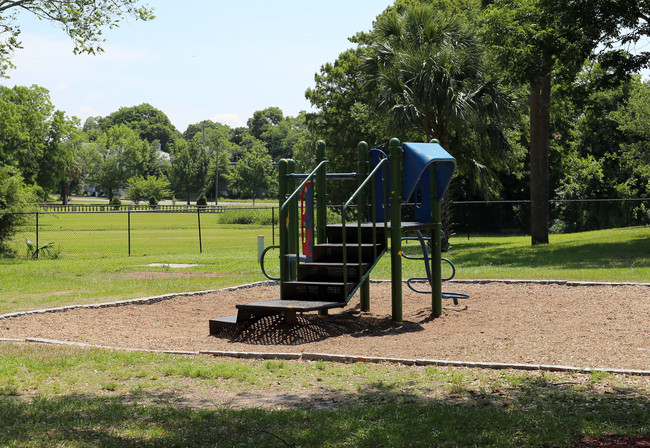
{"x": 345, "y": 359}
{"x": 141, "y": 301}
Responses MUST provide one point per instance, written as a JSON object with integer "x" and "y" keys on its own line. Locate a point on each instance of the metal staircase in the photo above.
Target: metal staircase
{"x": 321, "y": 284}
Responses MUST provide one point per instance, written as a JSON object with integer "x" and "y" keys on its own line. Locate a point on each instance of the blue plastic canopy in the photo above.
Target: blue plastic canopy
{"x": 417, "y": 160}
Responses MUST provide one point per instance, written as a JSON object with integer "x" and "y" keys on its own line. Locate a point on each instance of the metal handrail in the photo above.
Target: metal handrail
{"x": 359, "y": 238}
{"x": 284, "y": 213}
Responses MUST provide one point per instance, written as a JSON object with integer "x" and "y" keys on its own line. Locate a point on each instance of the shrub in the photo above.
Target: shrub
{"x": 244, "y": 216}
{"x": 201, "y": 201}
{"x": 116, "y": 202}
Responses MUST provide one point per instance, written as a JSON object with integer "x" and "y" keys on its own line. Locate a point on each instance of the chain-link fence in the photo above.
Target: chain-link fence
{"x": 566, "y": 216}
{"x": 187, "y": 229}
{"x": 137, "y": 232}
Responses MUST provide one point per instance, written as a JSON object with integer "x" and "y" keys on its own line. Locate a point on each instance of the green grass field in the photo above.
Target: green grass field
{"x": 76, "y": 397}
{"x": 94, "y": 264}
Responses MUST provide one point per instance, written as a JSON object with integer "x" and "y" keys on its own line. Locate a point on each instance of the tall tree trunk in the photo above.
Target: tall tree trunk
{"x": 540, "y": 126}
{"x": 64, "y": 192}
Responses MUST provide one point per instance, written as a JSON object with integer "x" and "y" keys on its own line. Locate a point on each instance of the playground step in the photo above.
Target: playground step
{"x": 221, "y": 323}
{"x": 315, "y": 291}
{"x": 279, "y": 306}
{"x": 333, "y": 252}
{"x": 330, "y": 272}
{"x": 335, "y": 233}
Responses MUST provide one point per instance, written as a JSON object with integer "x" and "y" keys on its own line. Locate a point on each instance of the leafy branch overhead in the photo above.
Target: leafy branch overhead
{"x": 83, "y": 20}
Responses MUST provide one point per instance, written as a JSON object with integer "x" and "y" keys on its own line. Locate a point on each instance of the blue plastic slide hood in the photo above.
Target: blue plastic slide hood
{"x": 416, "y": 162}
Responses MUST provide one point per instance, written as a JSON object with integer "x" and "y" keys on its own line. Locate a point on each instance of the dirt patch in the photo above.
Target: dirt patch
{"x": 614, "y": 442}
{"x": 584, "y": 326}
{"x": 156, "y": 275}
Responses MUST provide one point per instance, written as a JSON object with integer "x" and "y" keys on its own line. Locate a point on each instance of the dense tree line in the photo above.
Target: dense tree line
{"x": 139, "y": 146}
{"x": 536, "y": 99}
{"x": 518, "y": 91}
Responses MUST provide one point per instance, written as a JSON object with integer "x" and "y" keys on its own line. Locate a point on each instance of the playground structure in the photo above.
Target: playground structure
{"x": 330, "y": 270}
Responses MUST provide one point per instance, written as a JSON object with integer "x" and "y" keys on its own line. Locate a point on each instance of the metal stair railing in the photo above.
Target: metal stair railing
{"x": 284, "y": 220}
{"x": 383, "y": 164}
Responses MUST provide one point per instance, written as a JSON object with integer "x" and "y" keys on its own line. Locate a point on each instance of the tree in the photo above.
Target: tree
{"x": 33, "y": 136}
{"x": 254, "y": 173}
{"x": 535, "y": 40}
{"x": 343, "y": 118}
{"x": 122, "y": 155}
{"x": 424, "y": 70}
{"x": 82, "y": 20}
{"x": 150, "y": 123}
{"x": 15, "y": 197}
{"x": 218, "y": 138}
{"x": 191, "y": 167}
{"x": 150, "y": 189}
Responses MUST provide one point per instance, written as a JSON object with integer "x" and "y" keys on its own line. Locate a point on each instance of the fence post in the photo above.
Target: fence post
{"x": 129, "y": 227}
{"x": 198, "y": 215}
{"x": 37, "y": 246}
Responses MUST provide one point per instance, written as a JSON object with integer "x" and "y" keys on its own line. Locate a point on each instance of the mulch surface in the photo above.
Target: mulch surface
{"x": 585, "y": 326}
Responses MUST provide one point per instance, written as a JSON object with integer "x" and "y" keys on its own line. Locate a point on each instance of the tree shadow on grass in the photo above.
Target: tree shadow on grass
{"x": 597, "y": 255}
{"x": 538, "y": 412}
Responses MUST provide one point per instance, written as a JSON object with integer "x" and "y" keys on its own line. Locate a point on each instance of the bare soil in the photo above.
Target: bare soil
{"x": 585, "y": 326}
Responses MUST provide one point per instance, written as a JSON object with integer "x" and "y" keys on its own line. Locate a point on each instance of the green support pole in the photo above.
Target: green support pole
{"x": 321, "y": 196}
{"x": 283, "y": 219}
{"x": 294, "y": 246}
{"x": 436, "y": 246}
{"x": 363, "y": 165}
{"x": 395, "y": 155}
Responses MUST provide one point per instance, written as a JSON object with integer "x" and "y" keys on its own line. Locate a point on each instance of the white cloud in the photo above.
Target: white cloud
{"x": 232, "y": 120}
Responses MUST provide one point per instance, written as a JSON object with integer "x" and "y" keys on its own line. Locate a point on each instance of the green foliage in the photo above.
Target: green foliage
{"x": 15, "y": 197}
{"x": 243, "y": 216}
{"x": 122, "y": 155}
{"x": 344, "y": 117}
{"x": 82, "y": 20}
{"x": 202, "y": 201}
{"x": 47, "y": 250}
{"x": 254, "y": 174}
{"x": 191, "y": 167}
{"x": 150, "y": 123}
{"x": 33, "y": 135}
{"x": 424, "y": 69}
{"x": 151, "y": 189}
{"x": 115, "y": 201}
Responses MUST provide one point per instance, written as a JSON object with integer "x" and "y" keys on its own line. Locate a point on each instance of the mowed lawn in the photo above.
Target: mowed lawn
{"x": 81, "y": 397}
{"x": 94, "y": 263}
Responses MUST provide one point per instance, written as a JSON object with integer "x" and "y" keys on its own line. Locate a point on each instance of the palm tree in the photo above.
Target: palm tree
{"x": 425, "y": 70}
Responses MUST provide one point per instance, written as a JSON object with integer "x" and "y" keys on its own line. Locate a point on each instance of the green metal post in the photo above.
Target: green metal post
{"x": 321, "y": 195}
{"x": 294, "y": 246}
{"x": 283, "y": 219}
{"x": 395, "y": 155}
{"x": 363, "y": 165}
{"x": 436, "y": 249}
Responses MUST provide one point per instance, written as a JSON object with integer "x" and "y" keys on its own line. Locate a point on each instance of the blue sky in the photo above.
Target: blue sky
{"x": 199, "y": 59}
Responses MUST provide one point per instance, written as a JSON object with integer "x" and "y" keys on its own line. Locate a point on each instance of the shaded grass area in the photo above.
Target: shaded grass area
{"x": 617, "y": 255}
{"x": 54, "y": 396}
